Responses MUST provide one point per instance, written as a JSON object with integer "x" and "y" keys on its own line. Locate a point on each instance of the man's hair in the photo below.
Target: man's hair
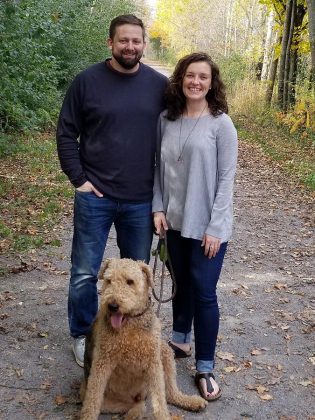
{"x": 175, "y": 98}
{"x": 123, "y": 20}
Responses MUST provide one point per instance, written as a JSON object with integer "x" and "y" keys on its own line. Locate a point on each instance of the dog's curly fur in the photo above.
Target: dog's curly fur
{"x": 126, "y": 360}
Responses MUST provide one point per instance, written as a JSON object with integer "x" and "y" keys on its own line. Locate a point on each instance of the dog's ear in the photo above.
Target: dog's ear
{"x": 104, "y": 267}
{"x": 147, "y": 272}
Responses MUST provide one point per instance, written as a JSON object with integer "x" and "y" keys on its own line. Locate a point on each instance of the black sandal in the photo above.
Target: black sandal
{"x": 179, "y": 353}
{"x": 206, "y": 376}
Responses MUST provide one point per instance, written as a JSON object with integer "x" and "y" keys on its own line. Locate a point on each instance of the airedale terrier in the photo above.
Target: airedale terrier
{"x": 126, "y": 360}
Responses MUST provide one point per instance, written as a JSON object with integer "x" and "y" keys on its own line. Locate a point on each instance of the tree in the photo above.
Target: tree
{"x": 311, "y": 18}
{"x": 285, "y": 48}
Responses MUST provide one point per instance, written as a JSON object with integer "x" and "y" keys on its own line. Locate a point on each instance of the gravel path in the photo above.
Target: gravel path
{"x": 265, "y": 355}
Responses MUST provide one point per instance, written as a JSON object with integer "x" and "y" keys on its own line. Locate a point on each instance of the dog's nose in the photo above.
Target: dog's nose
{"x": 113, "y": 307}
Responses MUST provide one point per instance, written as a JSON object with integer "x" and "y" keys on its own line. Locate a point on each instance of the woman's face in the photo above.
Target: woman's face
{"x": 197, "y": 81}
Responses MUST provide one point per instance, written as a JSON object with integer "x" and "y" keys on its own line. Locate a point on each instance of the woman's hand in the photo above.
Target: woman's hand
{"x": 89, "y": 187}
{"x": 159, "y": 221}
{"x": 211, "y": 244}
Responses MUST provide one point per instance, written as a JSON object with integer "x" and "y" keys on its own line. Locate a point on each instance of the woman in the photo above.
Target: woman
{"x": 193, "y": 190}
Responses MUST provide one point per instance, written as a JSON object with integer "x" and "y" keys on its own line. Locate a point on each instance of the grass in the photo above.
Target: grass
{"x": 295, "y": 154}
{"x": 34, "y": 193}
{"x": 257, "y": 124}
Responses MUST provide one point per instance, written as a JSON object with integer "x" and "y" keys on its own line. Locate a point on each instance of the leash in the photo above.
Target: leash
{"x": 161, "y": 253}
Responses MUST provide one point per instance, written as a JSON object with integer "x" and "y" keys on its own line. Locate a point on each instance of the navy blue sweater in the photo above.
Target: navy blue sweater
{"x": 106, "y": 131}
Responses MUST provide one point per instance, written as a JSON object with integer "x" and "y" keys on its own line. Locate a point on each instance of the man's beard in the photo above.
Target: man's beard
{"x": 127, "y": 63}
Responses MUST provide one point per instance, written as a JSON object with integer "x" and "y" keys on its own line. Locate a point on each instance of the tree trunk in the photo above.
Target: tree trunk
{"x": 288, "y": 58}
{"x": 268, "y": 46}
{"x": 294, "y": 56}
{"x": 271, "y": 81}
{"x": 311, "y": 26}
{"x": 284, "y": 44}
{"x": 292, "y": 78}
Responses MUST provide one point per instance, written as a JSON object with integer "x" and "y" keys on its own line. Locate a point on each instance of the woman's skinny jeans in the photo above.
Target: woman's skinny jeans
{"x": 196, "y": 299}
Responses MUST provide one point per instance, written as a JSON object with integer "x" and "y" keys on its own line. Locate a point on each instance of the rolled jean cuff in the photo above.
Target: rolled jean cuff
{"x": 181, "y": 338}
{"x": 204, "y": 365}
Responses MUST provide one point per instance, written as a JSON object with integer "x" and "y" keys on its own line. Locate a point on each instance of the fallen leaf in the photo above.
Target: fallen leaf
{"x": 256, "y": 352}
{"x": 306, "y": 382}
{"x": 280, "y": 286}
{"x": 274, "y": 381}
{"x": 312, "y": 359}
{"x": 266, "y": 397}
{"x": 229, "y": 369}
{"x": 261, "y": 389}
{"x": 60, "y": 399}
{"x": 247, "y": 364}
{"x": 251, "y": 387}
{"x": 225, "y": 356}
{"x": 19, "y": 372}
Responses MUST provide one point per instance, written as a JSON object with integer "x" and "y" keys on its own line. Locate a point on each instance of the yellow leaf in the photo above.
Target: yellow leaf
{"x": 266, "y": 397}
{"x": 261, "y": 389}
{"x": 229, "y": 369}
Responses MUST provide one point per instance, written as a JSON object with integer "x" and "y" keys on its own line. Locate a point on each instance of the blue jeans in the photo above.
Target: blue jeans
{"x": 93, "y": 218}
{"x": 196, "y": 299}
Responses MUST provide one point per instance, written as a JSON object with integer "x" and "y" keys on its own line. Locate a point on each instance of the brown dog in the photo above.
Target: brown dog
{"x": 125, "y": 359}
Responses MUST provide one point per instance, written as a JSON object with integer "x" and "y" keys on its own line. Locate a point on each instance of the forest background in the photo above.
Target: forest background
{"x": 265, "y": 50}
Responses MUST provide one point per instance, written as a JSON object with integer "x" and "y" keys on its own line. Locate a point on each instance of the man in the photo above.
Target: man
{"x": 106, "y": 139}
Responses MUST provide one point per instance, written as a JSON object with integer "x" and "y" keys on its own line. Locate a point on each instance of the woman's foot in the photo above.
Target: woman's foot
{"x": 207, "y": 386}
{"x": 181, "y": 350}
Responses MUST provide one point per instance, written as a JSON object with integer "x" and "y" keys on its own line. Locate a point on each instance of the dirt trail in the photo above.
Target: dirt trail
{"x": 265, "y": 356}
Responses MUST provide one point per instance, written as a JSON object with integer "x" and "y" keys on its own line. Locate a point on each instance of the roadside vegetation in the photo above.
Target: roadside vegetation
{"x": 266, "y": 52}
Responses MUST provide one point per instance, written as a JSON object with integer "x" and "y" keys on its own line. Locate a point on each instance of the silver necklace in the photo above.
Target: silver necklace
{"x": 182, "y": 149}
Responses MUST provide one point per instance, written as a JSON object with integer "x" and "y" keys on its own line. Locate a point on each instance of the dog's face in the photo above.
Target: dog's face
{"x": 125, "y": 291}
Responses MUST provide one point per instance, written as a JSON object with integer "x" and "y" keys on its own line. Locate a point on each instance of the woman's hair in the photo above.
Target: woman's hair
{"x": 175, "y": 98}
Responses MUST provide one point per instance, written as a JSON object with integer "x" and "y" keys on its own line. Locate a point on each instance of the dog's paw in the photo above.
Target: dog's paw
{"x": 198, "y": 403}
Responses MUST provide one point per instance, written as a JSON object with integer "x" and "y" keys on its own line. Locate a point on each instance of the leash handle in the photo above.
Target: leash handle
{"x": 162, "y": 253}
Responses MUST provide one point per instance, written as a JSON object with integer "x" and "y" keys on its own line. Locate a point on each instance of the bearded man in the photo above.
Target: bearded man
{"x": 106, "y": 138}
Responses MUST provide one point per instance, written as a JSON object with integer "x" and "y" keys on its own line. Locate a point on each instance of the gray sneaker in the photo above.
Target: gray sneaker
{"x": 78, "y": 348}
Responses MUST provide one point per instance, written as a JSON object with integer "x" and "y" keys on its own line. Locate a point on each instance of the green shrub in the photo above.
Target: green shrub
{"x": 43, "y": 44}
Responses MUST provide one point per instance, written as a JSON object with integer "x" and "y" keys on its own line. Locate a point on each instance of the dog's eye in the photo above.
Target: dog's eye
{"x": 130, "y": 282}
{"x": 108, "y": 281}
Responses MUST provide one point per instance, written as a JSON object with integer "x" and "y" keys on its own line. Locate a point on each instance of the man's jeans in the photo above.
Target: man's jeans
{"x": 93, "y": 218}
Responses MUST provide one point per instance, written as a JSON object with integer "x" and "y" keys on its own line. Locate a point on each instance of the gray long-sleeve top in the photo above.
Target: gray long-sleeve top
{"x": 196, "y": 193}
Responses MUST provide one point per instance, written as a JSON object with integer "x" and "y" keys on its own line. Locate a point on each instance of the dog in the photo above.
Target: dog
{"x": 126, "y": 361}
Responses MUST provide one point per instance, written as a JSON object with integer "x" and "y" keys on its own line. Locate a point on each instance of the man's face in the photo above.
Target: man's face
{"x": 127, "y": 47}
